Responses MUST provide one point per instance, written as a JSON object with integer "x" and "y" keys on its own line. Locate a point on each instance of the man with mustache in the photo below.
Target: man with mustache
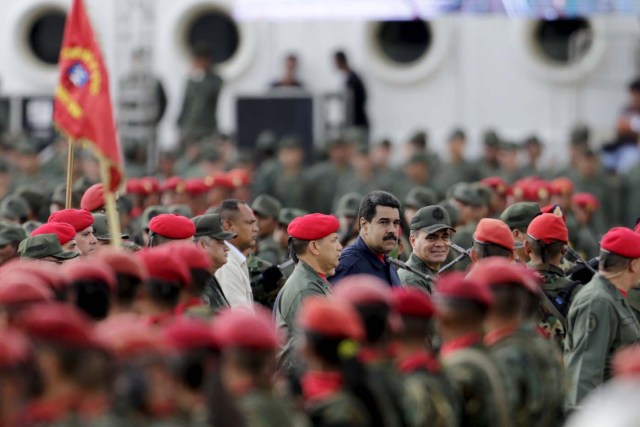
{"x": 430, "y": 237}
{"x": 379, "y": 219}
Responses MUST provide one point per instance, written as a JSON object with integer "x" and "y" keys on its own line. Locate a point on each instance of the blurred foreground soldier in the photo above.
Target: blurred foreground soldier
{"x": 314, "y": 243}
{"x": 91, "y": 284}
{"x": 15, "y": 209}
{"x": 21, "y": 289}
{"x": 166, "y": 228}
{"x": 431, "y": 232}
{"x": 600, "y": 320}
{"x": 15, "y": 370}
{"x": 267, "y": 211}
{"x": 238, "y": 218}
{"x": 379, "y": 218}
{"x": 347, "y": 213}
{"x": 547, "y": 237}
{"x": 518, "y": 216}
{"x": 531, "y": 369}
{"x": 146, "y": 217}
{"x": 334, "y": 386}
{"x": 102, "y": 232}
{"x": 492, "y": 238}
{"x": 462, "y": 305}
{"x": 247, "y": 365}
{"x": 499, "y": 192}
{"x": 199, "y": 264}
{"x": 10, "y": 237}
{"x": 130, "y": 274}
{"x": 428, "y": 393}
{"x": 211, "y": 238}
{"x": 45, "y": 247}
{"x": 82, "y": 221}
{"x": 161, "y": 292}
{"x": 584, "y": 206}
{"x": 198, "y": 114}
{"x": 417, "y": 198}
{"x": 373, "y": 301}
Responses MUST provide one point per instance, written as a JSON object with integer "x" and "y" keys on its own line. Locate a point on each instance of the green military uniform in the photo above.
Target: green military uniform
{"x": 631, "y": 196}
{"x": 585, "y": 242}
{"x": 324, "y": 179}
{"x": 197, "y": 117}
{"x": 600, "y": 322}
{"x": 533, "y": 377}
{"x": 304, "y": 282}
{"x": 388, "y": 390}
{"x": 269, "y": 250}
{"x": 261, "y": 409}
{"x": 410, "y": 278}
{"x": 452, "y": 173}
{"x": 267, "y": 207}
{"x": 337, "y": 410}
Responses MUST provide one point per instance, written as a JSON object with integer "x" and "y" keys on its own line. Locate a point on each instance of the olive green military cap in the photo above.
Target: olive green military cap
{"x": 289, "y": 214}
{"x": 348, "y": 204}
{"x": 431, "y": 219}
{"x": 519, "y": 215}
{"x": 266, "y": 206}
{"x": 289, "y": 142}
{"x": 14, "y": 207}
{"x": 419, "y": 197}
{"x": 182, "y": 210}
{"x": 101, "y": 228}
{"x": 457, "y": 133}
{"x": 211, "y": 225}
{"x": 451, "y": 210}
{"x": 491, "y": 138}
{"x": 509, "y": 146}
{"x": 42, "y": 246}
{"x": 484, "y": 194}
{"x": 266, "y": 141}
{"x": 11, "y": 233}
{"x": 466, "y": 194}
{"x": 30, "y": 225}
{"x": 150, "y": 212}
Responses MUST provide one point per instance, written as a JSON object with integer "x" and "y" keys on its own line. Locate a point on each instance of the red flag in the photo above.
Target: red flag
{"x": 82, "y": 104}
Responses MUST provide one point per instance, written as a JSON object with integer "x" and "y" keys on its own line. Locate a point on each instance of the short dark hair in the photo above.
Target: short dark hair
{"x": 508, "y": 301}
{"x": 229, "y": 209}
{"x": 551, "y": 250}
{"x": 341, "y": 57}
{"x": 163, "y": 293}
{"x": 612, "y": 263}
{"x": 92, "y": 297}
{"x": 299, "y": 247}
{"x": 127, "y": 289}
{"x": 634, "y": 86}
{"x": 367, "y": 208}
{"x": 486, "y": 250}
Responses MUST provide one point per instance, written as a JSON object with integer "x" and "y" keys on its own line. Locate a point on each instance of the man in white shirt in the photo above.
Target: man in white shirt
{"x": 237, "y": 217}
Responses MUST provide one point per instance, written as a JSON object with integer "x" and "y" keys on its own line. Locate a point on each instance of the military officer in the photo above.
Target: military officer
{"x": 518, "y": 216}
{"x": 458, "y": 169}
{"x": 314, "y": 242}
{"x": 82, "y": 221}
{"x": 267, "y": 211}
{"x": 166, "y": 228}
{"x": 492, "y": 238}
{"x": 347, "y": 213}
{"x": 600, "y": 319}
{"x": 431, "y": 232}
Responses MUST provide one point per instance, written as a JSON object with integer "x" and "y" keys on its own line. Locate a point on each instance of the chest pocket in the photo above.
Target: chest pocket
{"x": 629, "y": 330}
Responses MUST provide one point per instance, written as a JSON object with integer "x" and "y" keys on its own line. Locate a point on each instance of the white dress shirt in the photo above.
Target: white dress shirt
{"x": 234, "y": 279}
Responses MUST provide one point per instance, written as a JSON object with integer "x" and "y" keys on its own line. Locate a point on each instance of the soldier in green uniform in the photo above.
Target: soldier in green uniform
{"x": 291, "y": 185}
{"x": 347, "y": 213}
{"x": 458, "y": 169}
{"x": 280, "y": 234}
{"x": 325, "y": 176}
{"x": 418, "y": 197}
{"x": 584, "y": 207}
{"x": 248, "y": 343}
{"x": 267, "y": 211}
{"x": 430, "y": 236}
{"x": 518, "y": 216}
{"x": 600, "y": 319}
{"x": 546, "y": 241}
{"x": 210, "y": 236}
{"x": 488, "y": 165}
{"x": 429, "y": 396}
{"x": 526, "y": 360}
{"x": 314, "y": 242}
{"x": 197, "y": 118}
{"x": 146, "y": 217}
{"x": 462, "y": 305}
{"x": 10, "y": 237}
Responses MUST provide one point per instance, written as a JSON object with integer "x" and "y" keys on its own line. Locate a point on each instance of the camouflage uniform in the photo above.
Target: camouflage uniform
{"x": 262, "y": 409}
{"x": 337, "y": 410}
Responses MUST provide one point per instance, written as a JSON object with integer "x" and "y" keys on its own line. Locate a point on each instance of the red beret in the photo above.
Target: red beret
{"x": 133, "y": 186}
{"x": 521, "y": 189}
{"x": 330, "y": 317}
{"x": 626, "y": 362}
{"x": 148, "y": 185}
{"x": 162, "y": 265}
{"x": 14, "y": 348}
{"x": 175, "y": 183}
{"x": 189, "y": 254}
{"x": 122, "y": 262}
{"x": 187, "y": 333}
{"x": 195, "y": 187}
{"x": 313, "y": 226}
{"x": 363, "y": 289}
{"x": 548, "y": 227}
{"x": 621, "y": 241}
{"x": 494, "y": 231}
{"x": 637, "y": 229}
{"x": 126, "y": 335}
{"x": 498, "y": 271}
{"x": 78, "y": 218}
{"x": 219, "y": 180}
{"x": 19, "y": 287}
{"x": 586, "y": 201}
{"x": 64, "y": 231}
{"x": 50, "y": 273}
{"x": 239, "y": 177}
{"x": 94, "y": 269}
{"x": 499, "y": 185}
{"x": 457, "y": 286}
{"x": 562, "y": 186}
{"x": 172, "y": 226}
{"x": 246, "y": 329}
{"x": 539, "y": 190}
{"x": 414, "y": 302}
{"x": 93, "y": 198}
{"x": 57, "y": 322}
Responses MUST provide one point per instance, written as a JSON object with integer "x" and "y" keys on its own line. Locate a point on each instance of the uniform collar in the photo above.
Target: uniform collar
{"x": 460, "y": 343}
{"x": 418, "y": 361}
{"x": 318, "y": 385}
{"x": 499, "y": 334}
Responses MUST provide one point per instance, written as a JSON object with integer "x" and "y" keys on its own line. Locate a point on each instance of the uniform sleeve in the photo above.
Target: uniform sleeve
{"x": 589, "y": 339}
{"x": 234, "y": 285}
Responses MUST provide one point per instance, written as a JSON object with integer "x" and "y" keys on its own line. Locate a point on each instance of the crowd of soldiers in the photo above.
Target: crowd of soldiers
{"x": 343, "y": 293}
